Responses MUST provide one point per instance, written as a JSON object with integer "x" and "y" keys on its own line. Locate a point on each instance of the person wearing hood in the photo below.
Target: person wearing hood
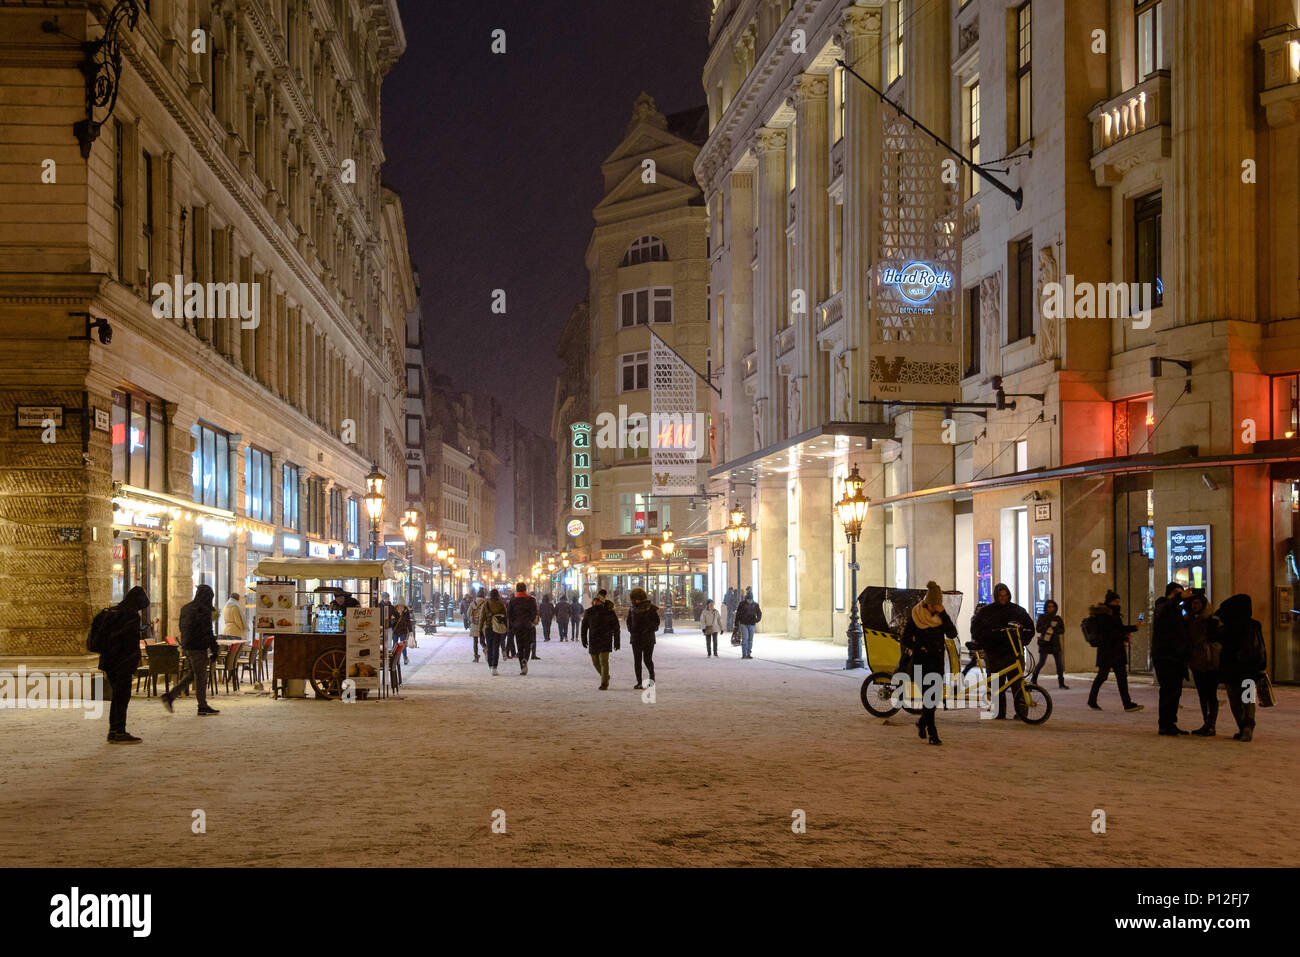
{"x": 575, "y": 616}
{"x": 118, "y": 632}
{"x": 748, "y": 615}
{"x": 988, "y": 627}
{"x": 562, "y": 611}
{"x": 476, "y": 622}
{"x": 1203, "y": 656}
{"x": 232, "y": 618}
{"x": 1112, "y": 638}
{"x": 1050, "y": 628}
{"x": 710, "y": 624}
{"x": 600, "y": 631}
{"x": 642, "y": 623}
{"x": 547, "y": 612}
{"x": 1242, "y": 661}
{"x": 729, "y": 601}
{"x": 198, "y": 642}
{"x": 925, "y": 635}
{"x": 495, "y": 624}
{"x": 1169, "y": 642}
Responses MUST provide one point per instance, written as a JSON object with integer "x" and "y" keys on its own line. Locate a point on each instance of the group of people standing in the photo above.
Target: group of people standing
{"x": 566, "y": 615}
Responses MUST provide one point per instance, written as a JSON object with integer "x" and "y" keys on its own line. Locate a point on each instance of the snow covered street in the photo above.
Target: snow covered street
{"x": 711, "y": 772}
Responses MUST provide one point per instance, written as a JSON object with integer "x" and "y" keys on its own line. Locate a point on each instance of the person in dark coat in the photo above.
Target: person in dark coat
{"x": 575, "y": 616}
{"x": 1049, "y": 629}
{"x": 924, "y": 636}
{"x": 198, "y": 642}
{"x": 1203, "y": 657}
{"x": 748, "y": 615}
{"x": 642, "y": 623}
{"x": 547, "y": 612}
{"x": 1112, "y": 635}
{"x": 562, "y": 612}
{"x": 522, "y": 614}
{"x": 1169, "y": 646}
{"x": 988, "y": 632}
{"x": 1242, "y": 662}
{"x": 403, "y": 629}
{"x": 119, "y": 657}
{"x": 600, "y": 635}
{"x": 729, "y": 601}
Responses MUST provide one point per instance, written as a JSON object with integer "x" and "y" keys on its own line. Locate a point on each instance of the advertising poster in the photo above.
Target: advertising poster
{"x": 1042, "y": 572}
{"x": 276, "y": 610}
{"x": 984, "y": 571}
{"x": 1189, "y": 556}
{"x": 365, "y": 647}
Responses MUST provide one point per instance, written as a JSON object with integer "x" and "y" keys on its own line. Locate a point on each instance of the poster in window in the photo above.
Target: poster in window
{"x": 1189, "y": 556}
{"x": 984, "y": 571}
{"x": 1042, "y": 571}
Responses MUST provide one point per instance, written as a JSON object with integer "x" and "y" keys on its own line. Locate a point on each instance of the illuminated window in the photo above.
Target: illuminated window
{"x": 1150, "y": 37}
{"x": 973, "y": 132}
{"x": 1285, "y": 411}
{"x": 210, "y": 466}
{"x": 1024, "y": 73}
{"x": 840, "y": 90}
{"x": 289, "y": 483}
{"x": 897, "y": 21}
{"x": 1134, "y": 425}
{"x": 1146, "y": 248}
{"x": 139, "y": 435}
{"x": 257, "y": 484}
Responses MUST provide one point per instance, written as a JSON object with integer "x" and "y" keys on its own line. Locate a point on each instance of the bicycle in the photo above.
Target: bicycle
{"x": 883, "y": 693}
{"x": 976, "y": 661}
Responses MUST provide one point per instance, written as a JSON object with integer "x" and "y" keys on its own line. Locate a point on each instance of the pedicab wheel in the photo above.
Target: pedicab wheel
{"x": 327, "y": 673}
{"x": 1039, "y": 708}
{"x": 878, "y": 694}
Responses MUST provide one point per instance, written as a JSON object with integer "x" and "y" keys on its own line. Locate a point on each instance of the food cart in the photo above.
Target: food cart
{"x": 335, "y": 662}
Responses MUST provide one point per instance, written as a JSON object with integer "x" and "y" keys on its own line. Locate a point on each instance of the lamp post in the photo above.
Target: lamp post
{"x": 410, "y": 532}
{"x": 442, "y": 567}
{"x": 431, "y": 552}
{"x": 375, "y": 509}
{"x": 647, "y": 553}
{"x": 852, "y": 510}
{"x": 668, "y": 547}
{"x": 738, "y": 537}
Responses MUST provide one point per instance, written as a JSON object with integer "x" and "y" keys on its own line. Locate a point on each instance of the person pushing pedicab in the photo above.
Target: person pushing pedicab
{"x": 988, "y": 631}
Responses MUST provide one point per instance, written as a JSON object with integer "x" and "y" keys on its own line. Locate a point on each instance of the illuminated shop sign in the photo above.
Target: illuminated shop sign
{"x": 318, "y": 550}
{"x": 917, "y": 282}
{"x": 581, "y": 466}
{"x": 575, "y": 527}
{"x": 292, "y": 544}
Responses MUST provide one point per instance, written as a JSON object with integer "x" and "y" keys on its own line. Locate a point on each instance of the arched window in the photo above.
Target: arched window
{"x": 647, "y": 249}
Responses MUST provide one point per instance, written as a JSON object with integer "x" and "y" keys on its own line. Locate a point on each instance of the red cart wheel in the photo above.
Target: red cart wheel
{"x": 327, "y": 673}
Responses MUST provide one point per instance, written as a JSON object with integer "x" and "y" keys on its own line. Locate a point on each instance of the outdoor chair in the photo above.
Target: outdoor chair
{"x": 164, "y": 661}
{"x": 250, "y": 660}
{"x": 395, "y": 665}
{"x": 229, "y": 665}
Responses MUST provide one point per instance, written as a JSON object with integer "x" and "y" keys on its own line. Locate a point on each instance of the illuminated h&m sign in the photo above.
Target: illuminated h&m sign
{"x": 917, "y": 282}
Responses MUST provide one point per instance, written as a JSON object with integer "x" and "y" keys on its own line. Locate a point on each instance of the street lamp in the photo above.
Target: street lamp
{"x": 410, "y": 532}
{"x": 375, "y": 509}
{"x": 738, "y": 537}
{"x": 668, "y": 547}
{"x": 852, "y": 511}
{"x": 442, "y": 558}
{"x": 431, "y": 552}
{"x": 647, "y": 553}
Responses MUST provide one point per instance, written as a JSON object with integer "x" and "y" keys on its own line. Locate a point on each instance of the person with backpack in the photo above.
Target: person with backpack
{"x": 476, "y": 622}
{"x": 710, "y": 624}
{"x": 599, "y": 632}
{"x": 642, "y": 623}
{"x": 495, "y": 625}
{"x": 198, "y": 642}
{"x": 522, "y": 616}
{"x": 1105, "y": 630}
{"x": 1242, "y": 662}
{"x": 402, "y": 629}
{"x": 1203, "y": 657}
{"x": 1169, "y": 642}
{"x": 1050, "y": 628}
{"x": 115, "y": 635}
{"x": 748, "y": 615}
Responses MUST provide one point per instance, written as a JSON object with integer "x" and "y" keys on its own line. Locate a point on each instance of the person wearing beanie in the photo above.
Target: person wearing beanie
{"x": 1169, "y": 652}
{"x": 925, "y": 633}
{"x": 1111, "y": 638}
{"x": 748, "y": 615}
{"x": 599, "y": 631}
{"x": 642, "y": 623}
{"x": 1050, "y": 628}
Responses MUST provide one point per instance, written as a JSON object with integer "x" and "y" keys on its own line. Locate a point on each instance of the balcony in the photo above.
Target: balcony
{"x": 1131, "y": 129}
{"x": 1280, "y": 96}
{"x": 784, "y": 340}
{"x": 830, "y": 312}
{"x": 970, "y": 217}
{"x": 750, "y": 362}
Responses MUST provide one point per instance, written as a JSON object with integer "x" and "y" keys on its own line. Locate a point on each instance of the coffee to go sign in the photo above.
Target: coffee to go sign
{"x": 581, "y": 466}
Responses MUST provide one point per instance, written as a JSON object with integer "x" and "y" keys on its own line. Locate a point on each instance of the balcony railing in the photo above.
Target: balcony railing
{"x": 750, "y": 360}
{"x": 970, "y": 217}
{"x": 830, "y": 312}
{"x": 1119, "y": 125}
{"x": 785, "y": 340}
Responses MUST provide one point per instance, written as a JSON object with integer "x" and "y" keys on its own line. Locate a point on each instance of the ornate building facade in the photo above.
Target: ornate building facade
{"x": 242, "y": 155}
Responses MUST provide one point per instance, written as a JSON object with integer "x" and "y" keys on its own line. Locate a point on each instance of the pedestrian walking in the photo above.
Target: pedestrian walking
{"x": 402, "y": 628}
{"x": 748, "y": 615}
{"x": 1169, "y": 651}
{"x": 495, "y": 624}
{"x": 522, "y": 617}
{"x": 575, "y": 616}
{"x": 599, "y": 633}
{"x": 988, "y": 629}
{"x": 232, "y": 618}
{"x": 547, "y": 612}
{"x": 1049, "y": 629}
{"x": 563, "y": 610}
{"x": 925, "y": 635}
{"x": 1243, "y": 661}
{"x": 198, "y": 642}
{"x": 1107, "y": 632}
{"x": 1204, "y": 652}
{"x": 115, "y": 634}
{"x": 464, "y": 610}
{"x": 642, "y": 623}
{"x": 711, "y": 625}
{"x": 476, "y": 622}
{"x": 729, "y": 601}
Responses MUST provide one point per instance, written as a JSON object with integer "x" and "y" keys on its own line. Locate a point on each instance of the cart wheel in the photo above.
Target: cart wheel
{"x": 1036, "y": 706}
{"x": 877, "y": 694}
{"x": 327, "y": 673}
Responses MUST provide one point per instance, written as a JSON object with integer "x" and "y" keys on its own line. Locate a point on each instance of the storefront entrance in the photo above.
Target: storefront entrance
{"x": 1286, "y": 581}
{"x": 138, "y": 560}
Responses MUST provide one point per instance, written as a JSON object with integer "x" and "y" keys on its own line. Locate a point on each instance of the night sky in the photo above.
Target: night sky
{"x": 497, "y": 158}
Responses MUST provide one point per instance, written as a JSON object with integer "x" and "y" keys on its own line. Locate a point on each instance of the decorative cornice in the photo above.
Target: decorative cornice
{"x": 806, "y": 87}
{"x": 767, "y": 140}
{"x": 857, "y": 23}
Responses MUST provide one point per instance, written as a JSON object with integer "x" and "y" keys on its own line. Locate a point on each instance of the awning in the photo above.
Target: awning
{"x": 830, "y": 440}
{"x": 327, "y": 568}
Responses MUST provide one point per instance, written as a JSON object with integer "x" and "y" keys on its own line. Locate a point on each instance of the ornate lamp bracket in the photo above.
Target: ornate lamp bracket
{"x": 103, "y": 70}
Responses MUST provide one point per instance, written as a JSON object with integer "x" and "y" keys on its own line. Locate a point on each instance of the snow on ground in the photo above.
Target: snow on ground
{"x": 710, "y": 773}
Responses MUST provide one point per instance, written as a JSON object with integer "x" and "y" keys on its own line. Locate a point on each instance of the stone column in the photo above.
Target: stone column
{"x": 770, "y": 302}
{"x": 859, "y": 37}
{"x": 738, "y": 308}
{"x": 926, "y": 529}
{"x": 770, "y": 545}
{"x": 811, "y": 242}
{"x": 816, "y": 550}
{"x": 926, "y": 56}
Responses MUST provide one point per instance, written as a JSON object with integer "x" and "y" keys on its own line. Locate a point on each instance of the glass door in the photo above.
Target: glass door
{"x": 1286, "y": 582}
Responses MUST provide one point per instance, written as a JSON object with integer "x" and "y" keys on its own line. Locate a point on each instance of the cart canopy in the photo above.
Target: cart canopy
{"x": 327, "y": 568}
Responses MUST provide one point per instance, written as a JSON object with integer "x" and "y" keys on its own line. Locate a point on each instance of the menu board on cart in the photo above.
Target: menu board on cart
{"x": 276, "y": 610}
{"x": 365, "y": 647}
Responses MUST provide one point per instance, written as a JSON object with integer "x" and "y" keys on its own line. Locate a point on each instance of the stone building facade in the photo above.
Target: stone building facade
{"x": 243, "y": 148}
{"x": 1108, "y": 472}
